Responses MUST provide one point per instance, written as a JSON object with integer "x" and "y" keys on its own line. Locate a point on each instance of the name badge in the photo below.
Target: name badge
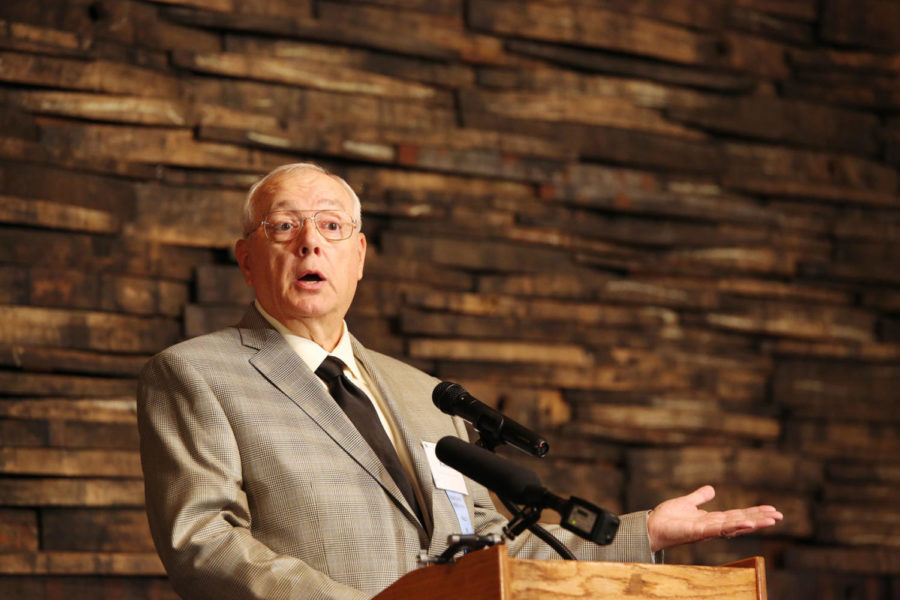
{"x": 445, "y": 478}
{"x": 451, "y": 481}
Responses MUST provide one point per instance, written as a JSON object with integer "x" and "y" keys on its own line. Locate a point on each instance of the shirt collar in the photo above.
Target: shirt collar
{"x": 312, "y": 353}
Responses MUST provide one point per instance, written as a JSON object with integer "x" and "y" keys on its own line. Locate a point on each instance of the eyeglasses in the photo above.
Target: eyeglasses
{"x": 283, "y": 225}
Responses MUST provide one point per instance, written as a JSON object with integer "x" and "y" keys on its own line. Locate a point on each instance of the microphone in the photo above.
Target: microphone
{"x": 515, "y": 483}
{"x": 508, "y": 479}
{"x": 494, "y": 428}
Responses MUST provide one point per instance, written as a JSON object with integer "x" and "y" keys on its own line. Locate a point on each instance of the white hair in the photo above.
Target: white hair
{"x": 248, "y": 215}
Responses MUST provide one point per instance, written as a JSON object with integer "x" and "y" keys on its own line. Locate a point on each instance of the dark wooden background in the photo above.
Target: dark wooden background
{"x": 663, "y": 233}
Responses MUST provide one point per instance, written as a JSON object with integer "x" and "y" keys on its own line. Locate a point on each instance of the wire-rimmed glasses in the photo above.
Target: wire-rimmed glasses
{"x": 284, "y": 225}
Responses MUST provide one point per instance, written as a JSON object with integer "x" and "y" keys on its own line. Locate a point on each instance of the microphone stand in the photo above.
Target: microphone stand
{"x": 527, "y": 518}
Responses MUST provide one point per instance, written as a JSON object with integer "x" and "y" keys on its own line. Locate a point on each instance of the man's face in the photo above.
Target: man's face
{"x": 307, "y": 283}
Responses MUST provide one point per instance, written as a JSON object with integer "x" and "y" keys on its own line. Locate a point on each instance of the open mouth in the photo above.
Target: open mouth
{"x": 311, "y": 277}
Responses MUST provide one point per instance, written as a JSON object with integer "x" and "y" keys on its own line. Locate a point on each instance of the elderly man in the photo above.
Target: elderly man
{"x": 282, "y": 459}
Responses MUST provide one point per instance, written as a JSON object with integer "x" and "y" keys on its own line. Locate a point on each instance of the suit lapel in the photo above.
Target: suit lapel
{"x": 279, "y": 364}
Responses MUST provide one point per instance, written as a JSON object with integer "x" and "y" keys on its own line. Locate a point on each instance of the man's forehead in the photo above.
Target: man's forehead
{"x": 308, "y": 187}
{"x": 294, "y": 203}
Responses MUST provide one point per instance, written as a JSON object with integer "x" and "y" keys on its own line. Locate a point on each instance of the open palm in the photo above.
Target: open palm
{"x": 682, "y": 521}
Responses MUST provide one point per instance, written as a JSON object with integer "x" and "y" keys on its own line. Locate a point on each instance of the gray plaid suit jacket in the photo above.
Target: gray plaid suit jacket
{"x": 259, "y": 487}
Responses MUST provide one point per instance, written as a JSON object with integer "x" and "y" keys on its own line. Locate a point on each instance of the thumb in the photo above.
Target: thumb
{"x": 701, "y": 495}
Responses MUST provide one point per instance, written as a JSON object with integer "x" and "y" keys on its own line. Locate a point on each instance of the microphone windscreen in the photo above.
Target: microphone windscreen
{"x": 445, "y": 395}
{"x": 508, "y": 479}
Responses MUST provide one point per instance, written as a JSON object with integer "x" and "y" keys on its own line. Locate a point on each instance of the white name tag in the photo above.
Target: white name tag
{"x": 445, "y": 478}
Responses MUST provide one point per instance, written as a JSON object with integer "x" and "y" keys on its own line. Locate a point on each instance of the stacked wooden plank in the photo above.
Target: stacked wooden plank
{"x": 662, "y": 233}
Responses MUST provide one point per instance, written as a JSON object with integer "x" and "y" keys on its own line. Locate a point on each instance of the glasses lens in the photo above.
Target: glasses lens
{"x": 282, "y": 226}
{"x": 334, "y": 225}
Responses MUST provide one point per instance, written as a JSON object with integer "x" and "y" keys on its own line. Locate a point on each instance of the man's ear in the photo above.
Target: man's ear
{"x": 362, "y": 255}
{"x": 242, "y": 253}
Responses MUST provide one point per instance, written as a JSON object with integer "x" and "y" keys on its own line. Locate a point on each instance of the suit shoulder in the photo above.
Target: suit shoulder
{"x": 198, "y": 349}
{"x": 222, "y": 337}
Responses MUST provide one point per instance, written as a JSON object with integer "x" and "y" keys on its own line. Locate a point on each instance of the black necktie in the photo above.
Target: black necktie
{"x": 359, "y": 409}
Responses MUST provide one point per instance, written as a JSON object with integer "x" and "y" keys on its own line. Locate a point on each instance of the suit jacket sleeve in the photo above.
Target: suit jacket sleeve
{"x": 199, "y": 514}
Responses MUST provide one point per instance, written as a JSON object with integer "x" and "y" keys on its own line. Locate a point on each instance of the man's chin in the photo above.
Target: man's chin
{"x": 308, "y": 311}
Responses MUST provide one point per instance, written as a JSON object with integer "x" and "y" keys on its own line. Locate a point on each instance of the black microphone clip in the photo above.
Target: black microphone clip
{"x": 588, "y": 521}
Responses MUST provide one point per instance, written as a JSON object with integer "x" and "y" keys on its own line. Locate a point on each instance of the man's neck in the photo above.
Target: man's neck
{"x": 325, "y": 335}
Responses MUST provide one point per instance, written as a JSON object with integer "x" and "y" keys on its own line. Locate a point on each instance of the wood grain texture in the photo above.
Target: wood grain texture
{"x": 663, "y": 234}
{"x": 491, "y": 575}
{"x": 81, "y": 563}
{"x": 532, "y": 580}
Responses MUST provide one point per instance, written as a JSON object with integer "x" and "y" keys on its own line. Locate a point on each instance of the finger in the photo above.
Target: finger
{"x": 733, "y": 528}
{"x": 753, "y": 512}
{"x": 762, "y": 509}
{"x": 732, "y": 533}
{"x": 767, "y": 513}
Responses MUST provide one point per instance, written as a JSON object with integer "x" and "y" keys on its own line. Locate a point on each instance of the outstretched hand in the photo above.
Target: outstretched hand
{"x": 681, "y": 521}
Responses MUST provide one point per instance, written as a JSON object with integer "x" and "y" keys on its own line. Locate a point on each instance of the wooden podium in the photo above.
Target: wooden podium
{"x": 490, "y": 574}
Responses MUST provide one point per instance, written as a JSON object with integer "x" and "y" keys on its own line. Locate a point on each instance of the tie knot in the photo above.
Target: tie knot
{"x": 331, "y": 369}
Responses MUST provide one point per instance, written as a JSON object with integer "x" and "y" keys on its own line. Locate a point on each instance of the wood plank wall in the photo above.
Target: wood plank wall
{"x": 664, "y": 233}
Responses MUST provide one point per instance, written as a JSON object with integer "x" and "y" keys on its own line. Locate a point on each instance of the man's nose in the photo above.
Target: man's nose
{"x": 308, "y": 240}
